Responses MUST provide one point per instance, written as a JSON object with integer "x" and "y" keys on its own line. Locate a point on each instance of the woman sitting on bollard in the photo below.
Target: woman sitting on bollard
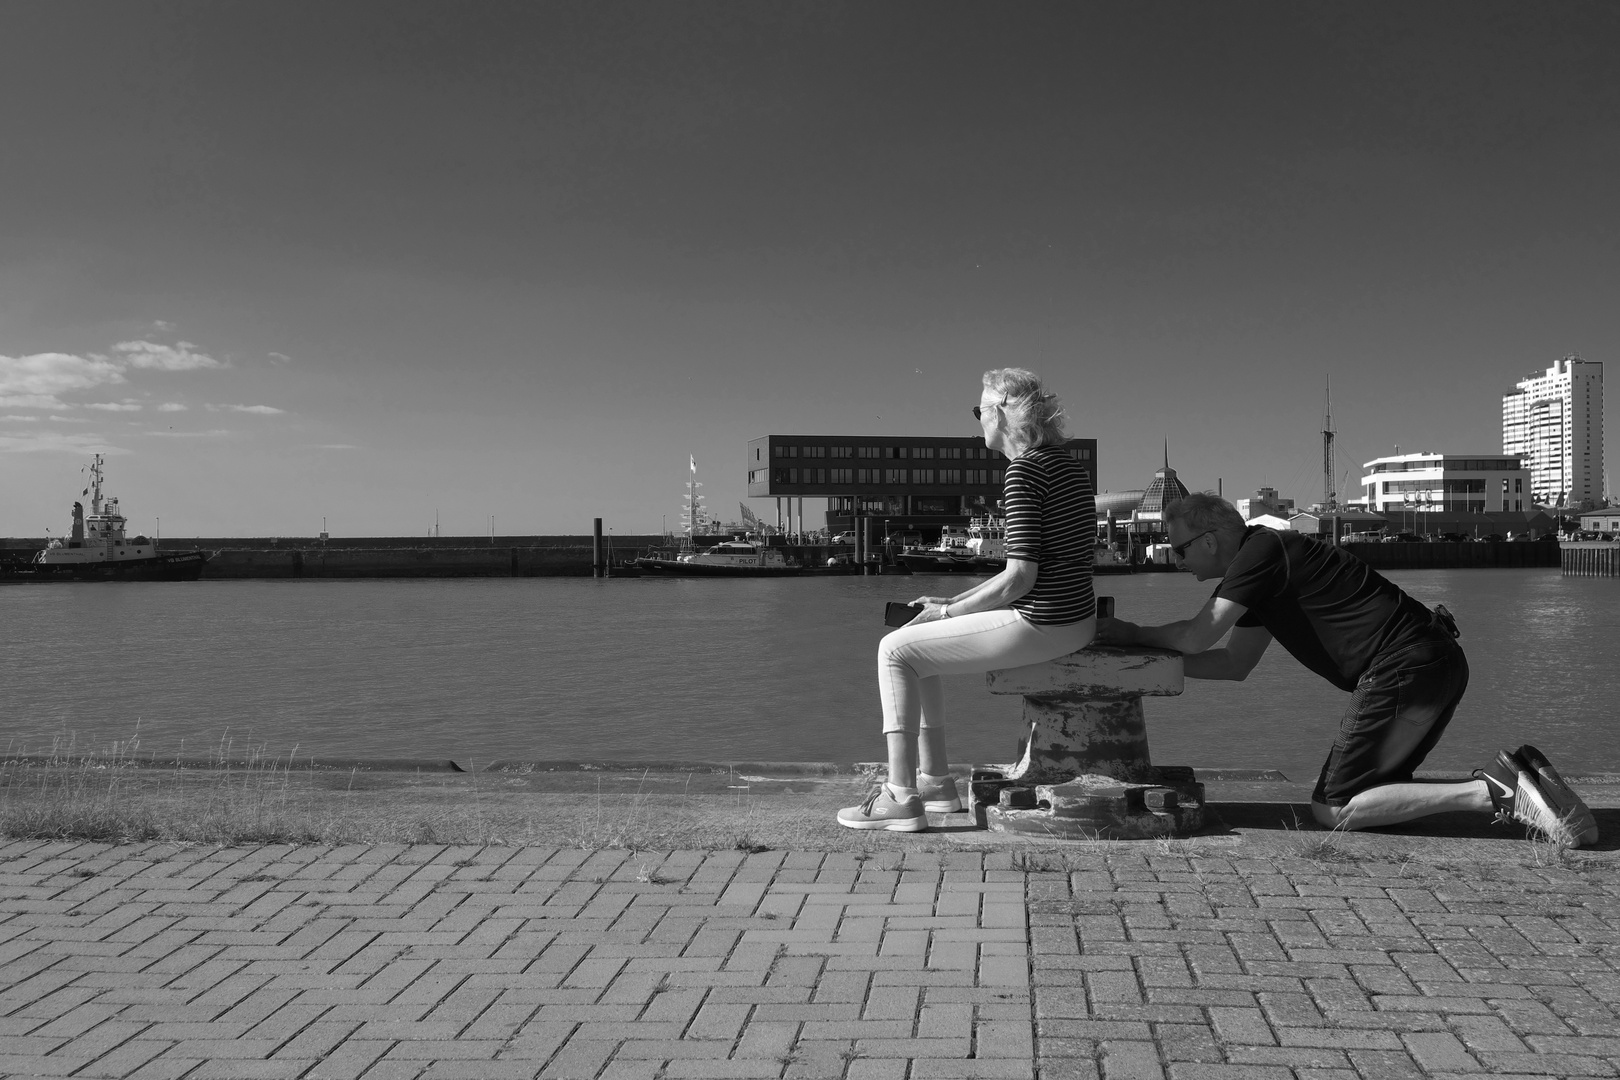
{"x": 1037, "y": 609}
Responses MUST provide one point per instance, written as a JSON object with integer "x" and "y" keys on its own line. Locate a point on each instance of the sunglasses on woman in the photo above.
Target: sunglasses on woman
{"x": 997, "y": 405}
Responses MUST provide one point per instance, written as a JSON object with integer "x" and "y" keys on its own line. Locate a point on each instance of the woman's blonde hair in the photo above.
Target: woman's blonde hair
{"x": 1034, "y": 415}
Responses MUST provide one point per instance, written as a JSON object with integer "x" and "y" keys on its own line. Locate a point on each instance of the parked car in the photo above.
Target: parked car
{"x": 1402, "y": 538}
{"x": 844, "y": 538}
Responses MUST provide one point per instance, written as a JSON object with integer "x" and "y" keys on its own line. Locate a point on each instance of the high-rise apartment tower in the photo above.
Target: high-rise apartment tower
{"x": 1554, "y": 422}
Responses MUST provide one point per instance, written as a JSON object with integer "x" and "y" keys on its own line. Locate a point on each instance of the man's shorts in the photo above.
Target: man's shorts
{"x": 1398, "y": 711}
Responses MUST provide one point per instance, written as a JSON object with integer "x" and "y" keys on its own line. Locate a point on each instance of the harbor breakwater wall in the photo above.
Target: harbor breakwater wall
{"x": 409, "y": 557}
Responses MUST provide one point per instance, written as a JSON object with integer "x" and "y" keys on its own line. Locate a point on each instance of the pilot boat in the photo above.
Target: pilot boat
{"x": 99, "y": 550}
{"x": 731, "y": 558}
{"x": 952, "y": 555}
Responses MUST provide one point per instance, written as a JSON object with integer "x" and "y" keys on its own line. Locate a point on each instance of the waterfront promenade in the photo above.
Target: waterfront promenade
{"x": 1257, "y": 951}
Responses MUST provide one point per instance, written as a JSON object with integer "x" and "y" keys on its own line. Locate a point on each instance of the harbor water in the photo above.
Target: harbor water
{"x": 688, "y": 669}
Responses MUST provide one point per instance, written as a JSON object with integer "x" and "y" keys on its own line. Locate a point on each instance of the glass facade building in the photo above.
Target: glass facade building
{"x": 915, "y": 483}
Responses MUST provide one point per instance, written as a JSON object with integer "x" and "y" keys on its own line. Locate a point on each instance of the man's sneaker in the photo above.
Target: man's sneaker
{"x": 1518, "y": 796}
{"x": 939, "y": 794}
{"x": 1569, "y": 805}
{"x": 882, "y": 811}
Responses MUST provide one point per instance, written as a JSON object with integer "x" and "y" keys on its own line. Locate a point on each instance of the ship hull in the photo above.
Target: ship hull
{"x": 689, "y": 569}
{"x": 919, "y": 563}
{"x": 179, "y": 566}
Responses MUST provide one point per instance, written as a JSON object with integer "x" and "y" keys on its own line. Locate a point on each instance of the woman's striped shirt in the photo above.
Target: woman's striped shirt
{"x": 1051, "y": 519}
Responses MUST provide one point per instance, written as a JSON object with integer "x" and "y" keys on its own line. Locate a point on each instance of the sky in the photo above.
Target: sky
{"x": 381, "y": 263}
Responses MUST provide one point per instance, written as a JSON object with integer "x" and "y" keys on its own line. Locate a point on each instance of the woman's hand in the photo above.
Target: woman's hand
{"x": 933, "y": 600}
{"x": 933, "y": 611}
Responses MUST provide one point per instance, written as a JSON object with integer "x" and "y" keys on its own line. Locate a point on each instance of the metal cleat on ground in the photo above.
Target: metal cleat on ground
{"x": 1085, "y": 772}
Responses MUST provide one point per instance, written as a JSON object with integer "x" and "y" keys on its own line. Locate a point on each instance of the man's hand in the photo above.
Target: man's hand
{"x": 1116, "y": 632}
{"x": 933, "y": 611}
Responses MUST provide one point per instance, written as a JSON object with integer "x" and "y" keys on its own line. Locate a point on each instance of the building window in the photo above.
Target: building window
{"x": 868, "y": 451}
{"x": 922, "y": 476}
{"x": 842, "y": 476}
{"x": 781, "y": 451}
{"x": 865, "y": 476}
{"x": 995, "y": 476}
{"x": 779, "y": 476}
{"x": 894, "y": 476}
{"x": 793, "y": 451}
{"x": 793, "y": 476}
{"x": 950, "y": 476}
{"x": 821, "y": 475}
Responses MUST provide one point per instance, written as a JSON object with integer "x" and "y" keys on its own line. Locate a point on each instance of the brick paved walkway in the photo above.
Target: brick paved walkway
{"x": 398, "y": 962}
{"x": 1217, "y": 968}
{"x": 153, "y": 960}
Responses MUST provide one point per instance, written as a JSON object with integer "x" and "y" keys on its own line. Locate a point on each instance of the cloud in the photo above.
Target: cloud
{"x": 114, "y": 406}
{"x": 262, "y": 410}
{"x": 162, "y": 327}
{"x": 171, "y": 406}
{"x": 37, "y": 442}
{"x": 171, "y": 434}
{"x": 37, "y": 381}
{"x": 336, "y": 446}
{"x": 152, "y": 355}
{"x": 280, "y": 358}
{"x": 20, "y": 419}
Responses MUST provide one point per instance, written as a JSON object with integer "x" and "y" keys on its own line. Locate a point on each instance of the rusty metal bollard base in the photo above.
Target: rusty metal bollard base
{"x": 1090, "y": 807}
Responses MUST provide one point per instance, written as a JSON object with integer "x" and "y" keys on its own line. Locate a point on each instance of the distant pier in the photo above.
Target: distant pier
{"x": 1591, "y": 560}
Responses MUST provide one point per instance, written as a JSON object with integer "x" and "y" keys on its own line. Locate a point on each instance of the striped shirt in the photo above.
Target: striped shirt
{"x": 1051, "y": 519}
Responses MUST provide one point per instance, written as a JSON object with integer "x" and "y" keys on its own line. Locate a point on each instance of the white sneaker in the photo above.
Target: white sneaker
{"x": 939, "y": 794}
{"x": 882, "y": 811}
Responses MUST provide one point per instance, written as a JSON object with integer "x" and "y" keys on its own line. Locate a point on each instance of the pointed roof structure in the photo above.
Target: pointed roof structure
{"x": 1164, "y": 490}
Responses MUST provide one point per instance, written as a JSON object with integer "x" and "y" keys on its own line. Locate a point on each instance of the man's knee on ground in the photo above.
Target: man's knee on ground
{"x": 1331, "y": 817}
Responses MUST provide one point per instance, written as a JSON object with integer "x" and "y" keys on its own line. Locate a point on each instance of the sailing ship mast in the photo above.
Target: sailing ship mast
{"x": 1330, "y": 496}
{"x": 694, "y": 503}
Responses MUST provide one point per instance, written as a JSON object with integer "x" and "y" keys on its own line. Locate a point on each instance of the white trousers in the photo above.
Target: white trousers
{"x": 912, "y": 659}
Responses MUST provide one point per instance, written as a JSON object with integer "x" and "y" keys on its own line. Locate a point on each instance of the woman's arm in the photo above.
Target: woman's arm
{"x": 995, "y": 592}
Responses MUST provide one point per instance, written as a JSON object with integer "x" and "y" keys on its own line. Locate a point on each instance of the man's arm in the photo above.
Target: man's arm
{"x": 1243, "y": 651}
{"x": 1189, "y": 636}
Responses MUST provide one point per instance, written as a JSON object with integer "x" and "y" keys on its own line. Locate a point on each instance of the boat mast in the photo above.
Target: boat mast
{"x": 95, "y": 486}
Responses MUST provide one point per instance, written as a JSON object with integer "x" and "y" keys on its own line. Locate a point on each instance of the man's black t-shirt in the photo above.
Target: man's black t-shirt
{"x": 1326, "y": 607}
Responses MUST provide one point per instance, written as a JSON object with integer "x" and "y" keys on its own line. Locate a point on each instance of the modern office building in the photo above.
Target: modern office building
{"x": 1446, "y": 483}
{"x": 916, "y": 484}
{"x": 1554, "y": 421}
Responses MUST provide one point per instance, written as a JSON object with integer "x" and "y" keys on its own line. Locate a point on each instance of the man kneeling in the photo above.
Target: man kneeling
{"x": 1355, "y": 628}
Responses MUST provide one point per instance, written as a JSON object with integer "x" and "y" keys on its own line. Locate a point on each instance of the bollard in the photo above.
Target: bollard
{"x": 596, "y": 547}
{"x": 1085, "y": 771}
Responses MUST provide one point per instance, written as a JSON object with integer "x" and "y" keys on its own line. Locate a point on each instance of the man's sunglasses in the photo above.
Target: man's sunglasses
{"x": 1180, "y": 550}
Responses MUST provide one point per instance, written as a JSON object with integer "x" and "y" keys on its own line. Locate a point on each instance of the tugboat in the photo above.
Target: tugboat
{"x": 98, "y": 550}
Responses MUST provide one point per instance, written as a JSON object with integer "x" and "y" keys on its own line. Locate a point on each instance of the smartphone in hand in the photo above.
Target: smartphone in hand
{"x": 900, "y": 614}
